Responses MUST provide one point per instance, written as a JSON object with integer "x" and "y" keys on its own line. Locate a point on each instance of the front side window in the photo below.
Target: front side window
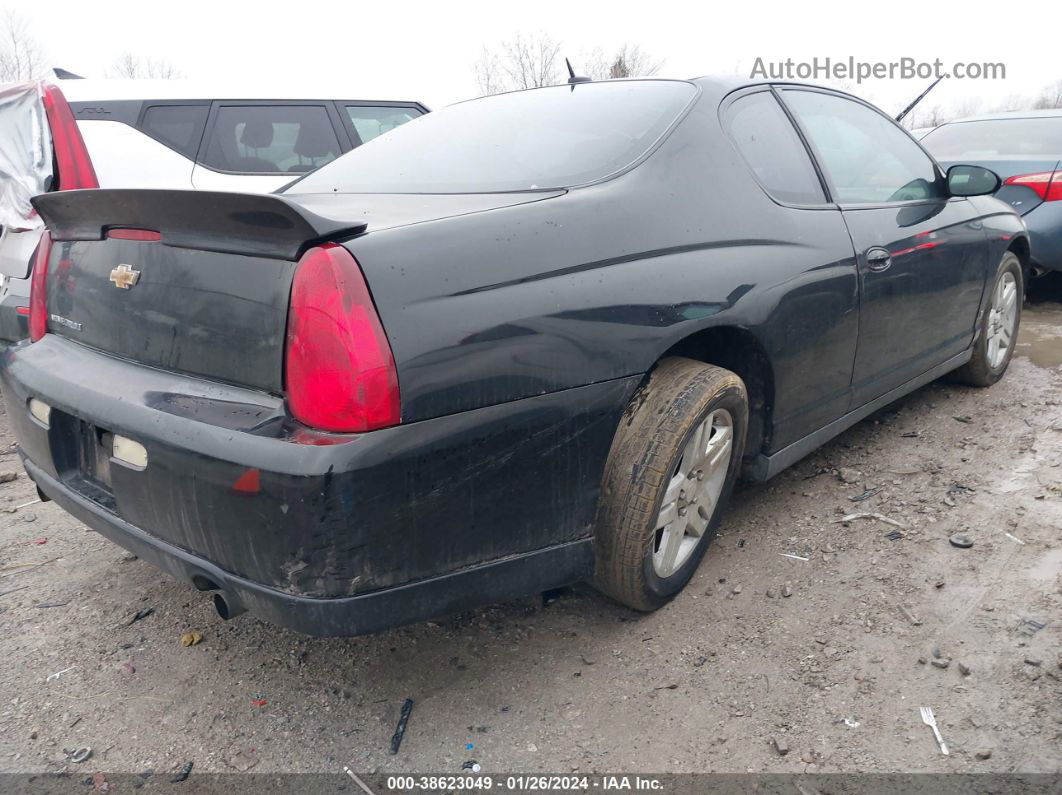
{"x": 770, "y": 145}
{"x": 271, "y": 139}
{"x": 868, "y": 159}
{"x": 370, "y": 121}
{"x": 545, "y": 138}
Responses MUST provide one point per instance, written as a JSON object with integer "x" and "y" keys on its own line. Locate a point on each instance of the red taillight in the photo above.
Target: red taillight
{"x": 143, "y": 235}
{"x": 71, "y": 157}
{"x": 38, "y": 314}
{"x": 1047, "y": 184}
{"x": 341, "y": 376}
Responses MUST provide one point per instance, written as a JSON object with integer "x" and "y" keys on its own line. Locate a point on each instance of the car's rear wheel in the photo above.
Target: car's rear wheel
{"x": 997, "y": 332}
{"x": 670, "y": 471}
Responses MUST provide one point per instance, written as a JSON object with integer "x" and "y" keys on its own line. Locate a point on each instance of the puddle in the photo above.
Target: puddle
{"x": 1040, "y": 336}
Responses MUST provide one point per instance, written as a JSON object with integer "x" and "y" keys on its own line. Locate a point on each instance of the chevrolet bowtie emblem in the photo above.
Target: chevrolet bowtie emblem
{"x": 124, "y": 277}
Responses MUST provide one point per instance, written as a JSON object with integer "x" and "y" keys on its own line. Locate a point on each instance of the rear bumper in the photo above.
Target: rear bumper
{"x": 379, "y": 529}
{"x": 355, "y": 615}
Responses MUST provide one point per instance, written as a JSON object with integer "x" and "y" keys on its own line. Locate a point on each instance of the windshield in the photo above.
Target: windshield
{"x": 553, "y": 137}
{"x": 993, "y": 137}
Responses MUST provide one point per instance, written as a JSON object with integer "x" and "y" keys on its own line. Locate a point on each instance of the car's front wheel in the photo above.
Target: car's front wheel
{"x": 997, "y": 332}
{"x": 670, "y": 471}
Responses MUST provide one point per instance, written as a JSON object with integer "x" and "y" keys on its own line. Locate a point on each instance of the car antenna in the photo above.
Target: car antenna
{"x": 918, "y": 99}
{"x": 65, "y": 74}
{"x": 573, "y": 78}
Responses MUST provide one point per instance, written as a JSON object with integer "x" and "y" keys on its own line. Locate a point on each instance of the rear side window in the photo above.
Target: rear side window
{"x": 180, "y": 127}
{"x": 544, "y": 138}
{"x": 770, "y": 145}
{"x": 867, "y": 157}
{"x": 271, "y": 139}
{"x": 370, "y": 122}
{"x": 994, "y": 137}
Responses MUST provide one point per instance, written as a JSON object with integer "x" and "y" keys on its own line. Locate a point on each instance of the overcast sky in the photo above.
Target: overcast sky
{"x": 426, "y": 50}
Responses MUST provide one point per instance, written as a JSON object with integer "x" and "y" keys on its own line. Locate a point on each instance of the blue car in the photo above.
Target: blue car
{"x": 1025, "y": 149}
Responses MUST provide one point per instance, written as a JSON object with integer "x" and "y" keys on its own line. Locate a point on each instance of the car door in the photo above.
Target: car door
{"x": 259, "y": 147}
{"x": 921, "y": 254}
{"x": 812, "y": 329}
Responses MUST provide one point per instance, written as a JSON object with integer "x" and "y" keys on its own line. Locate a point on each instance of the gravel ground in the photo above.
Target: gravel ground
{"x": 800, "y": 631}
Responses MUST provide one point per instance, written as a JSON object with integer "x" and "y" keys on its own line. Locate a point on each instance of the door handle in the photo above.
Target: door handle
{"x": 878, "y": 259}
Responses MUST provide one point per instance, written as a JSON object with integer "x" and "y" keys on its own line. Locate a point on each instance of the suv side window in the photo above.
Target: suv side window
{"x": 770, "y": 145}
{"x": 868, "y": 159}
{"x": 179, "y": 127}
{"x": 370, "y": 121}
{"x": 271, "y": 139}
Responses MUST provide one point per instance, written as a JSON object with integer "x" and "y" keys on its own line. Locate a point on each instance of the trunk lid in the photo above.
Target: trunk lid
{"x": 208, "y": 294}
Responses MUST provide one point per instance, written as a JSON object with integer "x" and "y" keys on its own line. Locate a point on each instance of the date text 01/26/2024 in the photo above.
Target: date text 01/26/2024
{"x": 523, "y": 783}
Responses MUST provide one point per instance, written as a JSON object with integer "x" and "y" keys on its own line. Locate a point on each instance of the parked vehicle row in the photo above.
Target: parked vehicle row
{"x": 1025, "y": 149}
{"x": 523, "y": 341}
{"x": 179, "y": 134}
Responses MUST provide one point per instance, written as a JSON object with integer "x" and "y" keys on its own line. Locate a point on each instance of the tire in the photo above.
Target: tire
{"x": 989, "y": 362}
{"x": 638, "y": 562}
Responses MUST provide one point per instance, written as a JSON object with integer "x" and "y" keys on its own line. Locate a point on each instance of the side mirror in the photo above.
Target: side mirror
{"x": 972, "y": 181}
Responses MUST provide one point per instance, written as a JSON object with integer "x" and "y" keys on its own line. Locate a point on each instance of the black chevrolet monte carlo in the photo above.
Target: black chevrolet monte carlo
{"x": 525, "y": 341}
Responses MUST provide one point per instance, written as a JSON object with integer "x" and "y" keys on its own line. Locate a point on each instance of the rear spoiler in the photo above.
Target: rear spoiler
{"x": 263, "y": 225}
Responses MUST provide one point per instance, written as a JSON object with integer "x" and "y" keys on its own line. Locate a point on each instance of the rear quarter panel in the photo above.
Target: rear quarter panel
{"x": 598, "y": 283}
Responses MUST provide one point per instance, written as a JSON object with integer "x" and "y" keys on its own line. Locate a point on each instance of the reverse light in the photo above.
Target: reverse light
{"x": 127, "y": 451}
{"x": 340, "y": 373}
{"x": 41, "y": 412}
{"x": 1046, "y": 184}
{"x": 38, "y": 308}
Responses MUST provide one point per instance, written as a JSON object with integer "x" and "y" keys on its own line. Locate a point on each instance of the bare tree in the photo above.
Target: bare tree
{"x": 21, "y": 55}
{"x": 1051, "y": 97}
{"x": 531, "y": 61}
{"x": 523, "y": 62}
{"x": 632, "y": 61}
{"x": 629, "y": 60}
{"x": 1012, "y": 102}
{"x": 130, "y": 65}
{"x": 489, "y": 74}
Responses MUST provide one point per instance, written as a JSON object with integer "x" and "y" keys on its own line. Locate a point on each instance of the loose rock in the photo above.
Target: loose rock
{"x": 780, "y": 745}
{"x": 848, "y": 475}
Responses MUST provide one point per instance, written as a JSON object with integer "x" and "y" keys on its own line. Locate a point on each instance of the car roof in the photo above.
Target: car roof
{"x": 1050, "y": 113}
{"x": 719, "y": 86}
{"x": 91, "y": 90}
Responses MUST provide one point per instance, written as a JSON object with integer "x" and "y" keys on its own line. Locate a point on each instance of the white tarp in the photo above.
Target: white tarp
{"x": 25, "y": 153}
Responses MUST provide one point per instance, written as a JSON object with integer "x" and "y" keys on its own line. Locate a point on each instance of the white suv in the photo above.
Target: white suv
{"x": 176, "y": 134}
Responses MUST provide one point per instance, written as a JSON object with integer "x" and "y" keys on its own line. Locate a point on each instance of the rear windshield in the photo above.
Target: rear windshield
{"x": 991, "y": 137}
{"x": 546, "y": 138}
